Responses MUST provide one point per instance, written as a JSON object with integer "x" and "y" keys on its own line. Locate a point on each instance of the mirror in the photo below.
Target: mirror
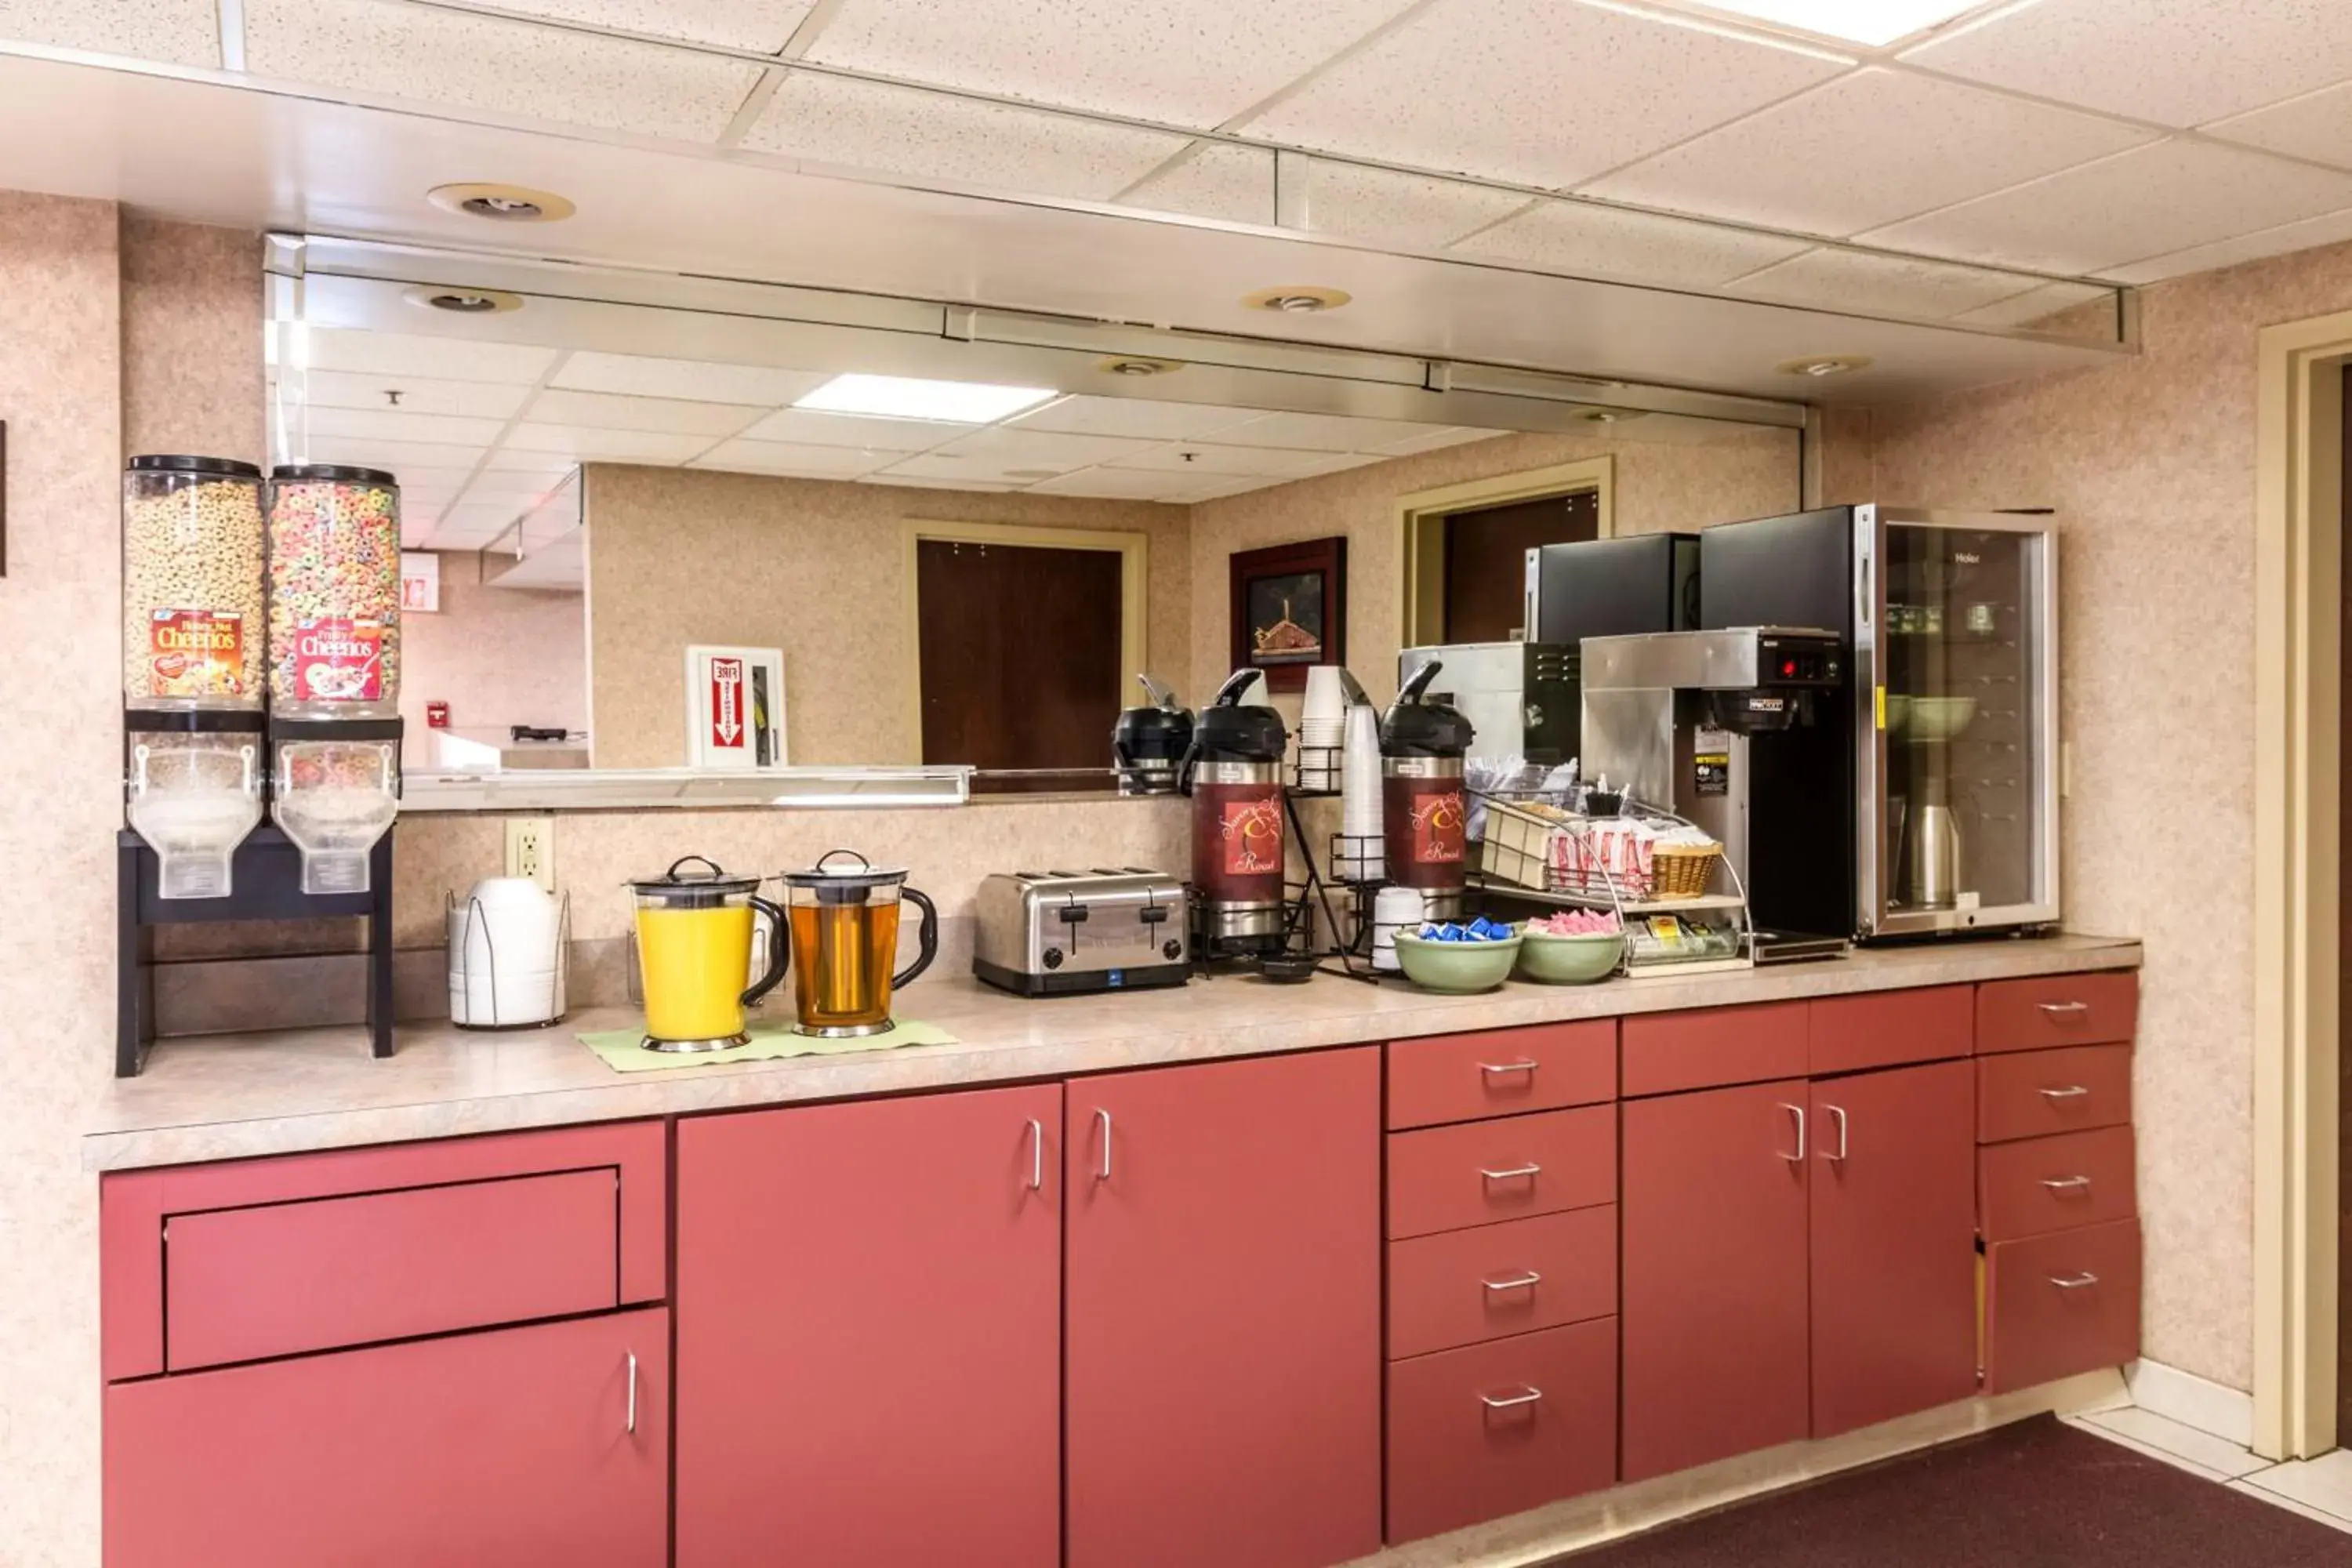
{"x": 653, "y": 524}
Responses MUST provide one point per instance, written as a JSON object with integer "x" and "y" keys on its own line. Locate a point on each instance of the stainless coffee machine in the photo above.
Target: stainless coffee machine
{"x": 1677, "y": 721}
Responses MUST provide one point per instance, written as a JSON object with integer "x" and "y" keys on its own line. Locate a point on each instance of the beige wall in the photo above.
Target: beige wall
{"x": 496, "y": 656}
{"x": 2151, "y": 465}
{"x": 816, "y": 567}
{"x": 1657, "y": 485}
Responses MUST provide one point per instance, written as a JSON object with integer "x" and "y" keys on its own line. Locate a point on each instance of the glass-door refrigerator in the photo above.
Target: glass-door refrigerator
{"x": 1924, "y": 801}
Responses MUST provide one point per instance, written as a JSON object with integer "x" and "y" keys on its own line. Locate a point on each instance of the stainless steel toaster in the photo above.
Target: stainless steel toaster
{"x": 1053, "y": 933}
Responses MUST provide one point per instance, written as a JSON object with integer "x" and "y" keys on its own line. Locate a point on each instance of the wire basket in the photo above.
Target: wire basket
{"x": 1519, "y": 845}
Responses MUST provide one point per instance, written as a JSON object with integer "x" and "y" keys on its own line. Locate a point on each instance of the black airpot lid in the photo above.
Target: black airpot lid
{"x": 1227, "y": 731}
{"x": 1414, "y": 727}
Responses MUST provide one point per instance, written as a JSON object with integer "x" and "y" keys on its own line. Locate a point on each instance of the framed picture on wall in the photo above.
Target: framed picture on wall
{"x": 1290, "y": 610}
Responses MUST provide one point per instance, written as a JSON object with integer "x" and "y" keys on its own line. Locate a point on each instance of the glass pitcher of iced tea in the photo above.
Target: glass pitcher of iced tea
{"x": 843, "y": 915}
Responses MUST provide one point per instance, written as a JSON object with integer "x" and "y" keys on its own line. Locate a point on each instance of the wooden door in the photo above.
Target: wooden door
{"x": 1714, "y": 1273}
{"x": 1020, "y": 654}
{"x": 1223, "y": 1312}
{"x": 1487, "y": 560}
{"x": 869, "y": 1333}
{"x": 475, "y": 1451}
{"x": 1894, "y": 1244}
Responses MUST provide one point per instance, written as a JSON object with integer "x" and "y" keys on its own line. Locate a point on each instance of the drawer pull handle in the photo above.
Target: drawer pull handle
{"x": 1102, "y": 1172}
{"x": 1504, "y": 1069}
{"x": 2065, "y": 1009}
{"x": 1526, "y": 1281}
{"x": 2076, "y": 1283}
{"x": 1799, "y": 1112}
{"x": 1528, "y": 1395}
{"x": 632, "y": 1392}
{"x": 2071, "y": 1092}
{"x": 1037, "y": 1155}
{"x": 1512, "y": 1172}
{"x": 2067, "y": 1184}
{"x": 1839, "y": 1157}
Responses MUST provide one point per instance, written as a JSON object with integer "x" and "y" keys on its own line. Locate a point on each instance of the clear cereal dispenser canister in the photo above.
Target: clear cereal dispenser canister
{"x": 334, "y": 592}
{"x": 192, "y": 585}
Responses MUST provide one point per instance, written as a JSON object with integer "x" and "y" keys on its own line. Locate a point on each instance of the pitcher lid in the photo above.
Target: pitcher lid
{"x": 694, "y": 880}
{"x": 826, "y": 874}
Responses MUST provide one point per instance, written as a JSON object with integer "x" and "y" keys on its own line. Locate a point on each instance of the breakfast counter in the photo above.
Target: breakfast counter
{"x": 224, "y": 1097}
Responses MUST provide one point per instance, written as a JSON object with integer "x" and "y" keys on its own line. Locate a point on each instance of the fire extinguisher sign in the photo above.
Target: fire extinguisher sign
{"x": 728, "y": 729}
{"x": 734, "y": 707}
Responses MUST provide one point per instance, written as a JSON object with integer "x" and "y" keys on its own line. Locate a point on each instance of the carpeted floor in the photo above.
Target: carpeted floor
{"x": 2038, "y": 1494}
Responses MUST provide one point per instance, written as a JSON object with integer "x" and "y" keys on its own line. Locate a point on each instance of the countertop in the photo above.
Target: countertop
{"x": 220, "y": 1097}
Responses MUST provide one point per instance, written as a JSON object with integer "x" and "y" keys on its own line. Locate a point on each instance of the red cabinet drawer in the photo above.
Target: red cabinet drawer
{"x": 1445, "y": 1178}
{"x": 2054, "y": 1184}
{"x": 2058, "y": 1305}
{"x": 249, "y": 1283}
{"x": 351, "y": 1246}
{"x": 1501, "y": 1072}
{"x": 2034, "y": 1094}
{"x": 2057, "y": 1010}
{"x": 1888, "y": 1028}
{"x": 1666, "y": 1053}
{"x": 1465, "y": 1286}
{"x": 1493, "y": 1429}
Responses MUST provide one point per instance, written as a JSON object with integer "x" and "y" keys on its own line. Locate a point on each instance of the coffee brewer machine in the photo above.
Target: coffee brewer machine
{"x": 1233, "y": 773}
{"x": 1681, "y": 720}
{"x": 1425, "y": 808}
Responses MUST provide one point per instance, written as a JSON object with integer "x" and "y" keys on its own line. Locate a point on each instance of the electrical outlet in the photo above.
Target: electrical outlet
{"x": 531, "y": 850}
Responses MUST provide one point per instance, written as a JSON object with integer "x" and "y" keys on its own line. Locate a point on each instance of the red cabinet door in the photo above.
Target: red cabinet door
{"x": 1223, "y": 1314}
{"x": 1713, "y": 1276}
{"x": 475, "y": 1451}
{"x": 869, "y": 1333}
{"x": 1894, "y": 1244}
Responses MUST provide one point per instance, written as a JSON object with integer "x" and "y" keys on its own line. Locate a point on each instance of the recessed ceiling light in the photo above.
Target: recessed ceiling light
{"x": 1298, "y": 301}
{"x": 463, "y": 302}
{"x": 1140, "y": 366}
{"x": 1871, "y": 22}
{"x": 502, "y": 204}
{"x": 906, "y": 397}
{"x": 1819, "y": 365}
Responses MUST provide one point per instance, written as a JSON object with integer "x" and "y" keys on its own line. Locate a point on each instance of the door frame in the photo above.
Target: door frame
{"x": 1133, "y": 550}
{"x": 2298, "y": 639}
{"x": 1422, "y": 517}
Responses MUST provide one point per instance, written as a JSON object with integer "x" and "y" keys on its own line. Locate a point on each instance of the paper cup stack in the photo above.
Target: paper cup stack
{"x": 1322, "y": 730}
{"x": 1360, "y": 856}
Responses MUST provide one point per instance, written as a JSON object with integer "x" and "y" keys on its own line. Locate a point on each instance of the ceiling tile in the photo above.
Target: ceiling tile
{"x": 549, "y": 466}
{"x": 1138, "y": 416}
{"x": 1115, "y": 484}
{"x": 483, "y": 514}
{"x": 1226, "y": 462}
{"x": 416, "y": 395}
{"x": 2329, "y": 228}
{"x": 607, "y": 446}
{"x": 1323, "y": 432}
{"x": 1610, "y": 242}
{"x": 929, "y": 136}
{"x": 397, "y": 425}
{"x": 465, "y": 61}
{"x": 698, "y": 380}
{"x": 1543, "y": 92}
{"x": 1183, "y": 62}
{"x": 2176, "y": 62}
{"x": 1867, "y": 150}
{"x": 820, "y": 429}
{"x": 1431, "y": 440}
{"x": 1350, "y": 201}
{"x": 2143, "y": 203}
{"x": 393, "y": 456}
{"x": 1869, "y": 283}
{"x": 793, "y": 458}
{"x": 1006, "y": 447}
{"x": 511, "y": 486}
{"x": 763, "y": 24}
{"x": 609, "y": 411}
{"x": 184, "y": 32}
{"x": 2317, "y": 126}
{"x": 422, "y": 355}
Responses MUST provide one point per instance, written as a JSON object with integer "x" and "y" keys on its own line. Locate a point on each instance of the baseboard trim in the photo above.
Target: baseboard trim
{"x": 1540, "y": 1536}
{"x": 2193, "y": 1401}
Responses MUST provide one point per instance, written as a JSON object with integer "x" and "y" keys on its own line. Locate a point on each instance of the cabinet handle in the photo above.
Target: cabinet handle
{"x": 1799, "y": 1112}
{"x": 1037, "y": 1155}
{"x": 1102, "y": 1172}
{"x": 2076, "y": 1283}
{"x": 1511, "y": 1173}
{"x": 1526, "y": 1281}
{"x": 1503, "y": 1069}
{"x": 632, "y": 1392}
{"x": 1529, "y": 1393}
{"x": 2065, "y": 1009}
{"x": 2071, "y": 1092}
{"x": 1839, "y": 1157}
{"x": 2066, "y": 1183}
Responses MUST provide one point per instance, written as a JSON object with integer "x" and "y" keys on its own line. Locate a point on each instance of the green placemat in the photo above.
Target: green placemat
{"x": 623, "y": 1051}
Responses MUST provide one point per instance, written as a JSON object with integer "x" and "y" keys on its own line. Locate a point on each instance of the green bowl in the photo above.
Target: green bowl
{"x": 1570, "y": 959}
{"x": 1458, "y": 966}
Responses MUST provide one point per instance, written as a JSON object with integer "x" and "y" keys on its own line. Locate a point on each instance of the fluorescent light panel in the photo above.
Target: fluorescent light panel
{"x": 905, "y": 398}
{"x": 1870, "y": 22}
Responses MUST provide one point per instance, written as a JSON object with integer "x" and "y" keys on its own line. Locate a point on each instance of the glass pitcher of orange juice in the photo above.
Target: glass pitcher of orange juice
{"x": 694, "y": 949}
